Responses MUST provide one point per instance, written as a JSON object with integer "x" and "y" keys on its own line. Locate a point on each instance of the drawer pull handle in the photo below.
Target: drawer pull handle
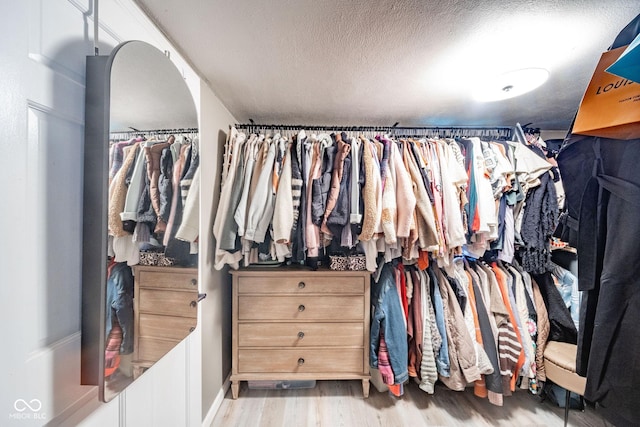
{"x": 194, "y": 282}
{"x": 191, "y": 329}
{"x": 300, "y": 334}
{"x": 301, "y": 285}
{"x": 301, "y": 308}
{"x": 300, "y": 361}
{"x": 200, "y": 298}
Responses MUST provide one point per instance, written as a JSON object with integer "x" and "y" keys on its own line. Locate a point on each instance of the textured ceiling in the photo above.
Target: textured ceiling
{"x": 383, "y": 61}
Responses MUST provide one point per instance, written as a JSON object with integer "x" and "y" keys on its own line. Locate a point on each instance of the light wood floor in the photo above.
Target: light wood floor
{"x": 340, "y": 403}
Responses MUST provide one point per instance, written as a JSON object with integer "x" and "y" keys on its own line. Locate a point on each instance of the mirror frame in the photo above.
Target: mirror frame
{"x": 95, "y": 215}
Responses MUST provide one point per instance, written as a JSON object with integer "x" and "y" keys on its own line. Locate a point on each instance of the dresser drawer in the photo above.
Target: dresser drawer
{"x": 152, "y": 349}
{"x": 300, "y": 334}
{"x": 348, "y": 307}
{"x": 172, "y": 279}
{"x": 167, "y": 327}
{"x": 171, "y": 303}
{"x": 301, "y": 360}
{"x": 329, "y": 284}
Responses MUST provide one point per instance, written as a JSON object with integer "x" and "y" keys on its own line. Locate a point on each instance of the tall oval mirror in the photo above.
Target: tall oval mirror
{"x": 140, "y": 276}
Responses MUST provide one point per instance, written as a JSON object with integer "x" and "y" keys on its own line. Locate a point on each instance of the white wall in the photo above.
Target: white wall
{"x": 216, "y": 310}
{"x": 42, "y": 56}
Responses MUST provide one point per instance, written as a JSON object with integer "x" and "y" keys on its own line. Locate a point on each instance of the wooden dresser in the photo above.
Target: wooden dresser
{"x": 297, "y": 324}
{"x": 165, "y": 310}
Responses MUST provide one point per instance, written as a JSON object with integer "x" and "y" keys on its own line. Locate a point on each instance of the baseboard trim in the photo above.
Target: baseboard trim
{"x": 217, "y": 402}
{"x": 78, "y": 410}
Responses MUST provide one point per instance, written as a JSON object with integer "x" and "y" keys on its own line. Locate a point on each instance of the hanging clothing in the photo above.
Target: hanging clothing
{"x": 602, "y": 188}
{"x": 189, "y": 226}
{"x": 388, "y": 319}
{"x": 120, "y": 303}
{"x": 222, "y": 256}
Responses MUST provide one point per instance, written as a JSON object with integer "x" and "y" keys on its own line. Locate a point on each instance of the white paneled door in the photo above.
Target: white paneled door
{"x": 42, "y": 74}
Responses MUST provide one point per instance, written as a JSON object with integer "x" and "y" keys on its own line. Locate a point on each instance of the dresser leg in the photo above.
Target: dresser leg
{"x": 137, "y": 371}
{"x": 365, "y": 388}
{"x": 235, "y": 388}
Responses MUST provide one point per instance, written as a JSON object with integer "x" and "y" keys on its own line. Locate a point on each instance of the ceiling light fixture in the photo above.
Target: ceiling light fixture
{"x": 511, "y": 84}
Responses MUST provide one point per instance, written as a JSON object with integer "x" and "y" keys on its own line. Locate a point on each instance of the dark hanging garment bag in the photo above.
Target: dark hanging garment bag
{"x": 602, "y": 186}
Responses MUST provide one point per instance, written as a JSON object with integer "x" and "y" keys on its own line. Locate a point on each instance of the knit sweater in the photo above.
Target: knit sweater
{"x": 512, "y": 356}
{"x": 372, "y": 193}
{"x": 538, "y": 224}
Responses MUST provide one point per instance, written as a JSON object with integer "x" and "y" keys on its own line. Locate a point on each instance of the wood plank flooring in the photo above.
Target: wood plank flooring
{"x": 340, "y": 403}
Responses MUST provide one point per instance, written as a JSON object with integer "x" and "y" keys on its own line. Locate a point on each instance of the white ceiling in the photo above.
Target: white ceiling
{"x": 377, "y": 62}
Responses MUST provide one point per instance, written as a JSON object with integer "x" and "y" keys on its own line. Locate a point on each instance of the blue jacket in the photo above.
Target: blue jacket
{"x": 120, "y": 304}
{"x": 388, "y": 316}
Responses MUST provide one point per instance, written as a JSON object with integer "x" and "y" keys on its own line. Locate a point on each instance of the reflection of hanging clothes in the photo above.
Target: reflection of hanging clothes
{"x": 119, "y": 304}
{"x": 118, "y": 155}
{"x": 189, "y": 228}
{"x": 176, "y": 248}
{"x": 118, "y": 193}
{"x": 136, "y": 185}
{"x": 112, "y": 349}
{"x": 175, "y": 209}
{"x": 165, "y": 187}
{"x": 154, "y": 154}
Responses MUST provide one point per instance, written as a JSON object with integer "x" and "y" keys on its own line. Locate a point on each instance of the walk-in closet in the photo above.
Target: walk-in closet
{"x": 329, "y": 213}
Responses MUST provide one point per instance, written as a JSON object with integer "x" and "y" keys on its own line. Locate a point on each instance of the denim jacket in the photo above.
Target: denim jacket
{"x": 120, "y": 303}
{"x": 568, "y": 286}
{"x": 388, "y": 316}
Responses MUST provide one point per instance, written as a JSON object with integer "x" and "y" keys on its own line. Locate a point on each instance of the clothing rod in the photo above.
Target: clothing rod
{"x": 391, "y": 129}
{"x": 177, "y": 130}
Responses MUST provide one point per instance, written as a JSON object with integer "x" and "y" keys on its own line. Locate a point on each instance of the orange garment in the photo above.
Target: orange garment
{"x": 395, "y": 389}
{"x": 502, "y": 283}
{"x": 423, "y": 260}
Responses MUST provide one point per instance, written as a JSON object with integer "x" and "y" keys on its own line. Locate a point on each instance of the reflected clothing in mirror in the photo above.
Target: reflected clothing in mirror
{"x": 120, "y": 303}
{"x": 125, "y": 215}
